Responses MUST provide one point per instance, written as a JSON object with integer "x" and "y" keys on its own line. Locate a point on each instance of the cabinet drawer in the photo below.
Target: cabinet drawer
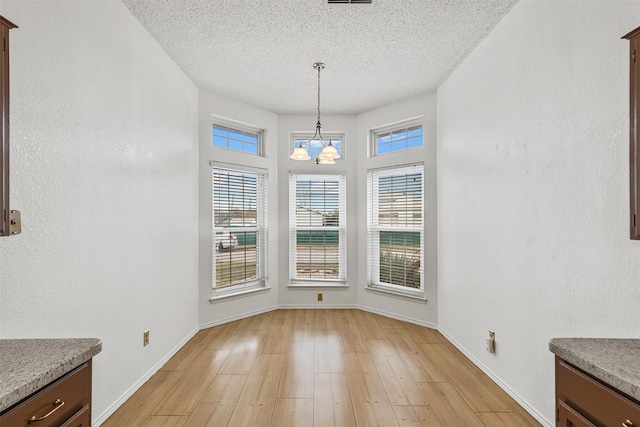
{"x": 82, "y": 418}
{"x": 598, "y": 403}
{"x": 568, "y": 417}
{"x": 74, "y": 389}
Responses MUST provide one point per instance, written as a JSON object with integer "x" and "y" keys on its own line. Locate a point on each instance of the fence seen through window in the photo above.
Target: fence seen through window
{"x": 239, "y": 227}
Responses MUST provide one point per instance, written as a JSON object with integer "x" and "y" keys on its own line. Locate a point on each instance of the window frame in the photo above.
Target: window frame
{"x": 240, "y": 128}
{"x": 374, "y": 228}
{"x": 341, "y": 229}
{"x": 260, "y": 228}
{"x": 394, "y": 127}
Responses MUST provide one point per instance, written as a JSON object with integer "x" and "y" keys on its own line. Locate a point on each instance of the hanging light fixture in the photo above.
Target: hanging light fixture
{"x": 329, "y": 153}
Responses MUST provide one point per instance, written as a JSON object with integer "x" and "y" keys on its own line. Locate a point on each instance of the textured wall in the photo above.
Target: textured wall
{"x": 533, "y": 190}
{"x": 104, "y": 170}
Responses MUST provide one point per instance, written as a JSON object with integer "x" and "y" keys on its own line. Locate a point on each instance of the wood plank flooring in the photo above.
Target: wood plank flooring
{"x": 319, "y": 368}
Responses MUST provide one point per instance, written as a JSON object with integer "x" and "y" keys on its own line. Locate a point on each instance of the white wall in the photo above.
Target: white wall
{"x": 287, "y": 124}
{"x": 533, "y": 190}
{"x": 211, "y": 105}
{"x": 104, "y": 170}
{"x": 111, "y": 146}
{"x": 419, "y": 106}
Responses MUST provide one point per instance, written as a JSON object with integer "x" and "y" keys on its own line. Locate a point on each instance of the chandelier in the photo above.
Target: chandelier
{"x": 329, "y": 152}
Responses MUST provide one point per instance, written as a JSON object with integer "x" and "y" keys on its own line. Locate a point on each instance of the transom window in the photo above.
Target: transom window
{"x": 315, "y": 147}
{"x": 239, "y": 205}
{"x": 317, "y": 218}
{"x": 398, "y": 138}
{"x": 244, "y": 140}
{"x": 395, "y": 245}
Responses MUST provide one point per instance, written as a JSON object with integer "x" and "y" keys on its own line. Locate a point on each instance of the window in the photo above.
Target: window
{"x": 317, "y": 218}
{"x": 395, "y": 245}
{"x": 239, "y": 206}
{"x": 244, "y": 140}
{"x": 315, "y": 147}
{"x": 399, "y": 138}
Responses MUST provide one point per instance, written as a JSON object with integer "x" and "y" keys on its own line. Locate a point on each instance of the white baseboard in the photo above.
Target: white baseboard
{"x": 111, "y": 409}
{"x": 238, "y": 317}
{"x": 318, "y": 306}
{"x": 515, "y": 396}
{"x": 398, "y": 317}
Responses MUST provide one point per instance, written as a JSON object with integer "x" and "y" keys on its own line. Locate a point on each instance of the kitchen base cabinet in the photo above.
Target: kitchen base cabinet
{"x": 584, "y": 401}
{"x": 568, "y": 417}
{"x": 66, "y": 402}
{"x": 82, "y": 418}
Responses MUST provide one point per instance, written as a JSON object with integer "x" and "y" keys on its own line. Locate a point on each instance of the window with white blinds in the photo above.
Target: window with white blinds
{"x": 395, "y": 241}
{"x": 317, "y": 238}
{"x": 239, "y": 206}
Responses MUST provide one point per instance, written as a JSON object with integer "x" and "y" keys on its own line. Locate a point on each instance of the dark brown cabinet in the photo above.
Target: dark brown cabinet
{"x": 568, "y": 417}
{"x": 64, "y": 403}
{"x": 5, "y": 225}
{"x": 584, "y": 401}
{"x": 82, "y": 418}
{"x": 634, "y": 150}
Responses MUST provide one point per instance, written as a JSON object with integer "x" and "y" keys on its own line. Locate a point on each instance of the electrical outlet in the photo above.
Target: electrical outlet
{"x": 319, "y": 297}
{"x": 145, "y": 338}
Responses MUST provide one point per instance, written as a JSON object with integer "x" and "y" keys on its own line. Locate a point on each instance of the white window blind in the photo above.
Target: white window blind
{"x": 317, "y": 218}
{"x": 395, "y": 246}
{"x": 239, "y": 206}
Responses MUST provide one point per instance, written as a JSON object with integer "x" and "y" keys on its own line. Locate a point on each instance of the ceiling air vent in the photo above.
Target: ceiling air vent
{"x": 348, "y": 1}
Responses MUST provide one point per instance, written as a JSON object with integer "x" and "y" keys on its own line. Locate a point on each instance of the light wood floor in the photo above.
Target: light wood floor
{"x": 319, "y": 368}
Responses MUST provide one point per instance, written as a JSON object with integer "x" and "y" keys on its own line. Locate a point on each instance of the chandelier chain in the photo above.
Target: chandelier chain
{"x": 319, "y": 67}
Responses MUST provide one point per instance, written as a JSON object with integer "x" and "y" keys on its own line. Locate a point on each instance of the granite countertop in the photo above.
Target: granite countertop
{"x": 27, "y": 365}
{"x": 613, "y": 361}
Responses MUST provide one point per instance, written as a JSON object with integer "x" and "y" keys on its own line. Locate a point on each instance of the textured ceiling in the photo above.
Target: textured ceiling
{"x": 261, "y": 51}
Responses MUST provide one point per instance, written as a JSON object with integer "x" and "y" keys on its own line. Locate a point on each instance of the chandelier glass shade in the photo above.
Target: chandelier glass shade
{"x": 300, "y": 154}
{"x": 329, "y": 153}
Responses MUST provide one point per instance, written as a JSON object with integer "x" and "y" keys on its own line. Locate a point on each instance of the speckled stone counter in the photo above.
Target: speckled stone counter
{"x": 613, "y": 361}
{"x": 27, "y": 365}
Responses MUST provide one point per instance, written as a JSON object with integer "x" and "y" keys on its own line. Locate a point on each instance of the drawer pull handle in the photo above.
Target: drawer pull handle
{"x": 59, "y": 403}
{"x": 628, "y": 423}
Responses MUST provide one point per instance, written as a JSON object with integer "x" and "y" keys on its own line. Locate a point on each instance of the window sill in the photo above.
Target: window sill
{"x": 402, "y": 295}
{"x": 310, "y": 285}
{"x": 238, "y": 294}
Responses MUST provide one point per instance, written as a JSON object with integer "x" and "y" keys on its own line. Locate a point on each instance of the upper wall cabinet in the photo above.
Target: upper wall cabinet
{"x": 9, "y": 222}
{"x": 634, "y": 149}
